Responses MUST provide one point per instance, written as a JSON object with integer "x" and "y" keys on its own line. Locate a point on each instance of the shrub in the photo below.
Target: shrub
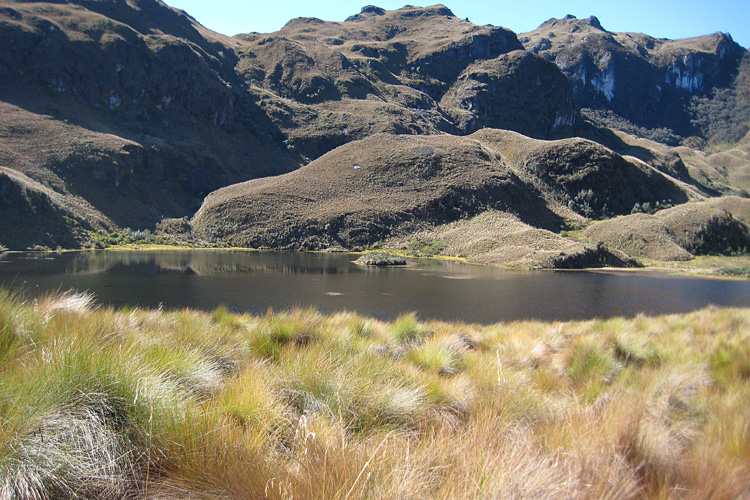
{"x": 609, "y": 119}
{"x": 724, "y": 118}
{"x": 438, "y": 357}
{"x": 126, "y": 237}
{"x": 380, "y": 259}
{"x": 737, "y": 272}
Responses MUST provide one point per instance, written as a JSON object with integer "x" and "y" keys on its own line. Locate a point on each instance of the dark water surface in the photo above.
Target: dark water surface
{"x": 254, "y": 281}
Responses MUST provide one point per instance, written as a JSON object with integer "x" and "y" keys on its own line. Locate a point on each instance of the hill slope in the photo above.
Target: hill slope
{"x": 505, "y": 194}
{"x": 118, "y": 114}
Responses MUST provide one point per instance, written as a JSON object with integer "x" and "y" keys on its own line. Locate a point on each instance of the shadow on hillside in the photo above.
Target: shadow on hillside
{"x": 140, "y": 171}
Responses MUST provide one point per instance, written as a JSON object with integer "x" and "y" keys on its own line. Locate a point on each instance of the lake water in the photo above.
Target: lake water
{"x": 254, "y": 281}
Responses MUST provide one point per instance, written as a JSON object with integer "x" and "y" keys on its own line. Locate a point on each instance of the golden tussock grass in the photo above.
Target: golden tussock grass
{"x": 99, "y": 403}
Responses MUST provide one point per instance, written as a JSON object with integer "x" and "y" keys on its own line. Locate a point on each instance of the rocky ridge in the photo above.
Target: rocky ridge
{"x": 413, "y": 70}
{"x": 646, "y": 80}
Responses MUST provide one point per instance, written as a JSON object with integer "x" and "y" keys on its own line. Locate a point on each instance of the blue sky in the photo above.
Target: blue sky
{"x": 667, "y": 19}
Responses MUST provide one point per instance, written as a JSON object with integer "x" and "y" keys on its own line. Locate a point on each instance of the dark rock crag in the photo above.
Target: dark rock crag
{"x": 646, "y": 80}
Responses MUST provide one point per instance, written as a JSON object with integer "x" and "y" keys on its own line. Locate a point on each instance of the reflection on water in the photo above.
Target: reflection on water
{"x": 255, "y": 281}
{"x": 167, "y": 262}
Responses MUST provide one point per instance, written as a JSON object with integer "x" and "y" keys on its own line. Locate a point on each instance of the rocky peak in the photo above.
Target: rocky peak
{"x": 372, "y": 9}
{"x": 572, "y": 24}
{"x": 593, "y": 21}
{"x": 434, "y": 10}
{"x": 367, "y": 11}
{"x": 408, "y": 11}
{"x": 421, "y": 48}
{"x": 646, "y": 80}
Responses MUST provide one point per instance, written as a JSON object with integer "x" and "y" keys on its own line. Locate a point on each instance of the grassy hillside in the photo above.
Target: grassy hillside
{"x": 118, "y": 114}
{"x": 129, "y": 114}
{"x": 104, "y": 404}
{"x": 494, "y": 197}
{"x": 716, "y": 226}
{"x": 408, "y": 71}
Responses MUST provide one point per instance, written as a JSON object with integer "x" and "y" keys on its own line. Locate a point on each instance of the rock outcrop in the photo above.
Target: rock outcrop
{"x": 515, "y": 91}
{"x": 644, "y": 79}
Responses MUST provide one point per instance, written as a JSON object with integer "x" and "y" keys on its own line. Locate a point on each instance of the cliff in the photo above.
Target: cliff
{"x": 646, "y": 80}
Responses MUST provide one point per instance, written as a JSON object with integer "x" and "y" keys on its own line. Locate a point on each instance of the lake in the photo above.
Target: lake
{"x": 434, "y": 289}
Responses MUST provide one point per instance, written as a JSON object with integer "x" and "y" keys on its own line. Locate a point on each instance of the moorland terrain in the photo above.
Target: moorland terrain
{"x": 98, "y": 403}
{"x": 562, "y": 147}
{"x": 397, "y": 129}
{"x": 407, "y": 130}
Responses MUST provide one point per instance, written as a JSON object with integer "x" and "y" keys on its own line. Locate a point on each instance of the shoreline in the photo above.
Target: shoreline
{"x": 705, "y": 266}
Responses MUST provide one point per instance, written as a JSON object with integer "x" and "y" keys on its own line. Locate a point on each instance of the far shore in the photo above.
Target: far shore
{"x": 704, "y": 266}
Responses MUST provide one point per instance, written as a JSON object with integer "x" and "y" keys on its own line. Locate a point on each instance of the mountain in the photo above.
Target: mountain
{"x": 648, "y": 81}
{"x": 409, "y": 71}
{"x": 116, "y": 114}
{"x": 128, "y": 113}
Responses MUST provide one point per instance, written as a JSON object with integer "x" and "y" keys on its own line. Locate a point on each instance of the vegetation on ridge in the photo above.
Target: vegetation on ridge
{"x": 99, "y": 403}
{"x": 506, "y": 194}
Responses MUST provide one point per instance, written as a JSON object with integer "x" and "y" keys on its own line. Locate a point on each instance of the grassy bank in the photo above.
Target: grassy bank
{"x": 99, "y": 403}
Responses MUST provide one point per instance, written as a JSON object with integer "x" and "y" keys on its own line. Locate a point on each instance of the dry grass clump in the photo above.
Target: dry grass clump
{"x": 97, "y": 403}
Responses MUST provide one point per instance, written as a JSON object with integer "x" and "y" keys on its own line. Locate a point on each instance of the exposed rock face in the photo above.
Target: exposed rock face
{"x": 645, "y": 79}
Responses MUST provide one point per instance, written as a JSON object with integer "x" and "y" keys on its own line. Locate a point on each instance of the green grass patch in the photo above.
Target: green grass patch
{"x": 591, "y": 368}
{"x": 426, "y": 248}
{"x": 407, "y": 329}
{"x": 438, "y": 357}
